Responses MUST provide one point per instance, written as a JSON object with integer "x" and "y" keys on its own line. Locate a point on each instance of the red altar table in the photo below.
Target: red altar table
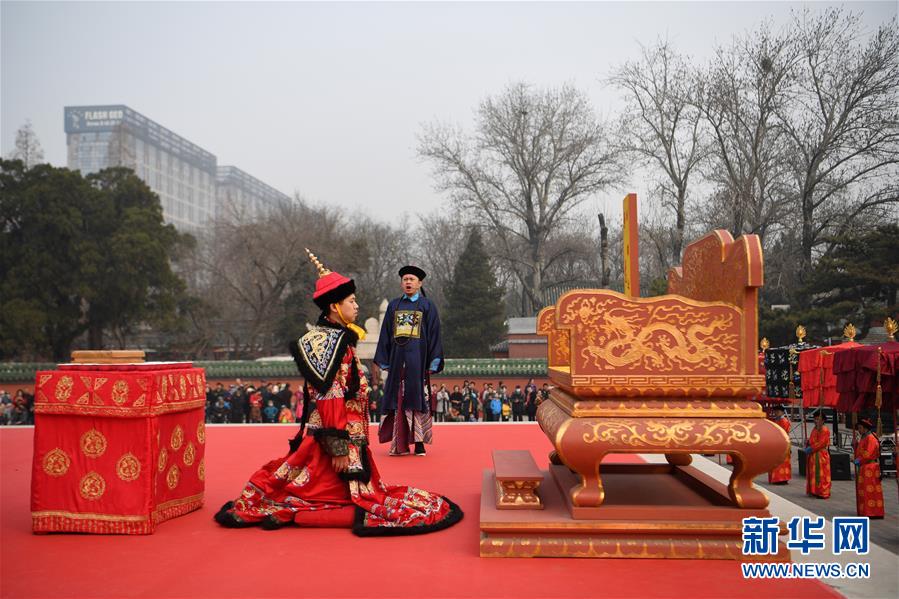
{"x": 118, "y": 448}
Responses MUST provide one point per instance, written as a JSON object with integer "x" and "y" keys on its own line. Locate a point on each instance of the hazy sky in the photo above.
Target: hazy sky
{"x": 327, "y": 99}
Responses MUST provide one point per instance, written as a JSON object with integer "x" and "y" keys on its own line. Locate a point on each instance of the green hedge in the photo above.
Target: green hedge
{"x": 21, "y": 372}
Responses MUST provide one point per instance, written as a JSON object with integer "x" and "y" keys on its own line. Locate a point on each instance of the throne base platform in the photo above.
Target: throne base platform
{"x": 651, "y": 511}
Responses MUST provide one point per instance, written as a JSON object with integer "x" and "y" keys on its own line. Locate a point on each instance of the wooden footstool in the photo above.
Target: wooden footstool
{"x": 517, "y": 479}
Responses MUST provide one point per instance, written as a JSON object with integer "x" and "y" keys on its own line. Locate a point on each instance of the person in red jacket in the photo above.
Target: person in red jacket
{"x": 329, "y": 477}
{"x": 817, "y": 464}
{"x": 868, "y": 490}
{"x": 781, "y": 474}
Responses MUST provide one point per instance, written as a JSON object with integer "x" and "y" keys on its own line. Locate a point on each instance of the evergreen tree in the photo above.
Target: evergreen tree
{"x": 474, "y": 317}
{"x": 80, "y": 254}
{"x": 857, "y": 282}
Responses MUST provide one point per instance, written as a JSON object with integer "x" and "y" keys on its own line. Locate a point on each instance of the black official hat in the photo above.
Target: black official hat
{"x": 867, "y": 423}
{"x": 413, "y": 270}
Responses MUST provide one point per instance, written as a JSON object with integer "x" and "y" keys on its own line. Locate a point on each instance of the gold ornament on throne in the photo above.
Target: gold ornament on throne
{"x": 891, "y": 328}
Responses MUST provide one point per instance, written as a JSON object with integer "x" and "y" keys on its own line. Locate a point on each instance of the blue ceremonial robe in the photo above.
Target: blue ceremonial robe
{"x": 410, "y": 343}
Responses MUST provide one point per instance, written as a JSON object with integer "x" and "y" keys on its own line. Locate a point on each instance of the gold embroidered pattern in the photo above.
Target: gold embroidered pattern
{"x": 163, "y": 458}
{"x": 133, "y": 411}
{"x": 201, "y": 469}
{"x": 120, "y": 392}
{"x": 670, "y": 433}
{"x": 201, "y": 432}
{"x": 93, "y": 443}
{"x": 190, "y": 454}
{"x": 93, "y": 388}
{"x": 128, "y": 467}
{"x": 142, "y": 398}
{"x": 177, "y": 438}
{"x": 173, "y": 476}
{"x": 92, "y": 486}
{"x": 299, "y": 476}
{"x": 56, "y": 462}
{"x": 64, "y": 388}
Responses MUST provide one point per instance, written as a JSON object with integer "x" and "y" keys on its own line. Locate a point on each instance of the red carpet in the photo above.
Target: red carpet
{"x": 191, "y": 556}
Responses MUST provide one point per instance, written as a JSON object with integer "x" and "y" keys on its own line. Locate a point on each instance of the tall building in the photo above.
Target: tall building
{"x": 183, "y": 175}
{"x": 244, "y": 194}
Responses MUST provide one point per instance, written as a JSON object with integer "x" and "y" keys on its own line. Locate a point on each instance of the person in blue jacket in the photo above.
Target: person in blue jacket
{"x": 410, "y": 348}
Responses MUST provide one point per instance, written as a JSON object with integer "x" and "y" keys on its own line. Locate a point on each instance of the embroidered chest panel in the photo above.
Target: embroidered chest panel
{"x": 407, "y": 324}
{"x": 319, "y": 349}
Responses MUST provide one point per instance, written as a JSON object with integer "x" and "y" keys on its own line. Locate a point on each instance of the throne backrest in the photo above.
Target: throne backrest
{"x": 698, "y": 340}
{"x": 717, "y": 268}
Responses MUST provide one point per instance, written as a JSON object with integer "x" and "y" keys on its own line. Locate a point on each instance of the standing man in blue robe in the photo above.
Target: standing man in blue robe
{"x": 410, "y": 349}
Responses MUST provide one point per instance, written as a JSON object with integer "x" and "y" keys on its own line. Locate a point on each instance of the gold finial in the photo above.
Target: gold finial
{"x": 764, "y": 343}
{"x": 800, "y": 333}
{"x": 849, "y": 332}
{"x": 891, "y": 326}
{"x": 322, "y": 271}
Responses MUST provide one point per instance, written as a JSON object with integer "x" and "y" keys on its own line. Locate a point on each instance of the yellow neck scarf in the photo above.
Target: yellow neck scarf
{"x": 360, "y": 332}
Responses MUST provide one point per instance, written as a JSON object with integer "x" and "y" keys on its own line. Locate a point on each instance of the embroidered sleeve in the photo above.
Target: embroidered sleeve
{"x": 334, "y": 442}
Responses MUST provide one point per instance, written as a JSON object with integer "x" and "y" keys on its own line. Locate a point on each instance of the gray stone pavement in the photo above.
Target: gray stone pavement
{"x": 788, "y": 501}
{"x": 841, "y": 503}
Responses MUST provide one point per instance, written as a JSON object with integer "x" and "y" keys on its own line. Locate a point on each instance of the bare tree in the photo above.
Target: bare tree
{"x": 251, "y": 267}
{"x": 387, "y": 247}
{"x": 744, "y": 87}
{"x": 535, "y": 157}
{"x": 28, "y": 147}
{"x": 440, "y": 238}
{"x": 843, "y": 124}
{"x": 662, "y": 125}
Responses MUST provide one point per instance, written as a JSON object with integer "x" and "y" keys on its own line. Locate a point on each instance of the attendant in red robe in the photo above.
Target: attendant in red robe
{"x": 868, "y": 490}
{"x": 817, "y": 461}
{"x": 781, "y": 474}
{"x": 329, "y": 477}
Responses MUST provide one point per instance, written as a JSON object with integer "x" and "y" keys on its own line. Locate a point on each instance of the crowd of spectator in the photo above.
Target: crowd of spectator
{"x": 490, "y": 403}
{"x": 276, "y": 402}
{"x": 270, "y": 402}
{"x": 16, "y": 409}
{"x": 267, "y": 402}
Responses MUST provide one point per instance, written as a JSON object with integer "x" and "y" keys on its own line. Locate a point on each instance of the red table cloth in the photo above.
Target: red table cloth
{"x": 118, "y": 448}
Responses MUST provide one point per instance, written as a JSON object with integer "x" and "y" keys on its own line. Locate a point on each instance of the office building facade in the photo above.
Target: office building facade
{"x": 241, "y": 195}
{"x": 183, "y": 175}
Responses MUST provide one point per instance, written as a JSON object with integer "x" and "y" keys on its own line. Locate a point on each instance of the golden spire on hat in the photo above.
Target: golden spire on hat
{"x": 322, "y": 271}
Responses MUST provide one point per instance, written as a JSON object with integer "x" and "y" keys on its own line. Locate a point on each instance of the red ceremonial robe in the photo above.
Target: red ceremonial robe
{"x": 868, "y": 490}
{"x": 303, "y": 488}
{"x": 817, "y": 464}
{"x": 784, "y": 472}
